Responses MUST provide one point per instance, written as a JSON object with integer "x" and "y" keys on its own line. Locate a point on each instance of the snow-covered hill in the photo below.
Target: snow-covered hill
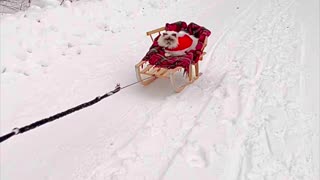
{"x": 253, "y": 114}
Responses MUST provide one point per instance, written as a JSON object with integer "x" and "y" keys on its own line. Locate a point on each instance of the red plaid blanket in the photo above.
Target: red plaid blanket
{"x": 156, "y": 56}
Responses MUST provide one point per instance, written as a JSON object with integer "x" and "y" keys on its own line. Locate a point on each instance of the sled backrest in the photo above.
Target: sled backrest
{"x": 150, "y": 33}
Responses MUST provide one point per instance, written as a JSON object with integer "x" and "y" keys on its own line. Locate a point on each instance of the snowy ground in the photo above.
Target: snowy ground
{"x": 253, "y": 115}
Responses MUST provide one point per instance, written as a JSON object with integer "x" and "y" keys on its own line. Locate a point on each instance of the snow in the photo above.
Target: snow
{"x": 253, "y": 114}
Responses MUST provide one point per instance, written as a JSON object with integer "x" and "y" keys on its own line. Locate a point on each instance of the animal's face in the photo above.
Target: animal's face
{"x": 168, "y": 39}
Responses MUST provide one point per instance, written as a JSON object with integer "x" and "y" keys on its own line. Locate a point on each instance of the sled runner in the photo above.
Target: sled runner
{"x": 156, "y": 65}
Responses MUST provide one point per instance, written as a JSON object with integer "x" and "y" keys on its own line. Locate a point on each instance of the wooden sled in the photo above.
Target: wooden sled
{"x": 151, "y": 73}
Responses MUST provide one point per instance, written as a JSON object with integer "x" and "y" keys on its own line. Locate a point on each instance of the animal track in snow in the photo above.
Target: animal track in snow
{"x": 194, "y": 155}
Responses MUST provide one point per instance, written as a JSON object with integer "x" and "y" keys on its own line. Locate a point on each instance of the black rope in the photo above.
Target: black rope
{"x": 137, "y": 82}
{"x": 41, "y": 122}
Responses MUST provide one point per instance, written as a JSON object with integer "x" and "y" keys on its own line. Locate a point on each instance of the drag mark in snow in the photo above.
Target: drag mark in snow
{"x": 262, "y": 72}
{"x": 250, "y": 132}
{"x": 219, "y": 74}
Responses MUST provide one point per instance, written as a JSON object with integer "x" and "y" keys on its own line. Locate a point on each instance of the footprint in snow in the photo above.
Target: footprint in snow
{"x": 194, "y": 155}
{"x": 29, "y": 50}
{"x": 3, "y": 69}
{"x": 22, "y": 72}
{"x": 78, "y": 51}
{"x": 220, "y": 93}
{"x": 72, "y": 49}
{"x": 70, "y": 45}
{"x": 43, "y": 63}
{"x": 21, "y": 55}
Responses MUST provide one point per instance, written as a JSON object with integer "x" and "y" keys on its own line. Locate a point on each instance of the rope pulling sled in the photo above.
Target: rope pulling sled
{"x": 41, "y": 122}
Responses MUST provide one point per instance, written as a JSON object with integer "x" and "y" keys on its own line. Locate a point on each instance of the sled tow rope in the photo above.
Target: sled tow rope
{"x": 41, "y": 122}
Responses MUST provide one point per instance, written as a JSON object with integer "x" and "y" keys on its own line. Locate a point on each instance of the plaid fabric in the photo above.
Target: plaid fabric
{"x": 156, "y": 56}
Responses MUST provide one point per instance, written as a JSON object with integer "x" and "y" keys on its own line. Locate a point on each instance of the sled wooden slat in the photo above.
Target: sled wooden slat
{"x": 150, "y": 33}
{"x": 161, "y": 71}
{"x": 140, "y": 64}
{"x": 197, "y": 69}
{"x": 155, "y": 31}
{"x": 147, "y": 68}
{"x": 149, "y": 74}
{"x": 153, "y": 70}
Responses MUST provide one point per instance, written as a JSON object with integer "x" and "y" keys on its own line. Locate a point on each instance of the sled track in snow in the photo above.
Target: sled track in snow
{"x": 152, "y": 148}
{"x": 275, "y": 19}
{"x": 237, "y": 153}
{"x": 220, "y": 73}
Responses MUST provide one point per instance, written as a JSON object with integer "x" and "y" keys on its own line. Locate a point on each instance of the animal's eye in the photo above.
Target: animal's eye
{"x": 174, "y": 34}
{"x": 165, "y": 34}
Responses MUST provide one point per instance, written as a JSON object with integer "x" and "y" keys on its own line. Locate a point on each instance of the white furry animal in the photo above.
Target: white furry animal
{"x": 170, "y": 41}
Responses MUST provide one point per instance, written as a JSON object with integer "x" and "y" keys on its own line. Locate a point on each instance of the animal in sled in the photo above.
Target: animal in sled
{"x": 177, "y": 47}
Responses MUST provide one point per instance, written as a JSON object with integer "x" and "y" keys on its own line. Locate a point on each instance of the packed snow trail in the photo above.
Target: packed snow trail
{"x": 265, "y": 130}
{"x": 166, "y": 135}
{"x": 241, "y": 120}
